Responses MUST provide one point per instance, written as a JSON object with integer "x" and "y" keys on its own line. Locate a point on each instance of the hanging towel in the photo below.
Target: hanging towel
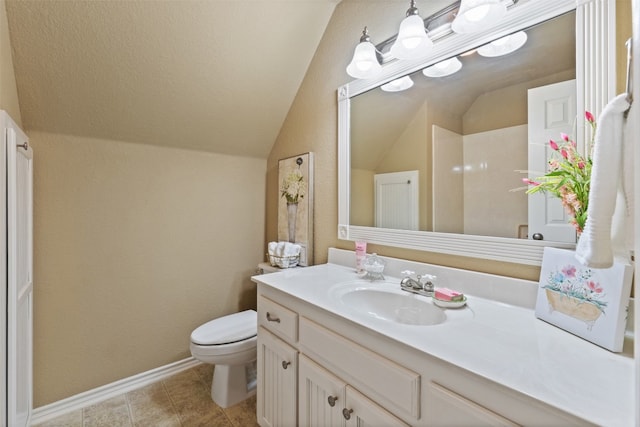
{"x": 611, "y": 181}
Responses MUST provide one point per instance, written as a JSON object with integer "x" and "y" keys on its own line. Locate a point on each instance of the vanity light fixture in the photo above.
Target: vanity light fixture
{"x": 398, "y": 85}
{"x": 412, "y": 41}
{"x": 443, "y": 68}
{"x": 364, "y": 64}
{"x": 504, "y": 45}
{"x": 476, "y": 15}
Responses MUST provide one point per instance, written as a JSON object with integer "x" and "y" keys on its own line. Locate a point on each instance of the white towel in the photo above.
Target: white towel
{"x": 611, "y": 179}
{"x": 272, "y": 248}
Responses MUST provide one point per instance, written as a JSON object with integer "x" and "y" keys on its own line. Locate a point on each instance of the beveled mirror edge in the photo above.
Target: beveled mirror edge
{"x": 595, "y": 72}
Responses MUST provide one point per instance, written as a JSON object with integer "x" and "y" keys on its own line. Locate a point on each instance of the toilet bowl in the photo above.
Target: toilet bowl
{"x": 229, "y": 343}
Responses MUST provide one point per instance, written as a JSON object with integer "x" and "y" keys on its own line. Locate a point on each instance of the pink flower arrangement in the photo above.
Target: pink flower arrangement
{"x": 569, "y": 176}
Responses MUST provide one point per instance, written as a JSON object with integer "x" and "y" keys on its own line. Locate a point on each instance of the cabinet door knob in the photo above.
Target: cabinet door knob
{"x": 346, "y": 413}
{"x": 285, "y": 365}
{"x": 538, "y": 236}
{"x": 271, "y": 318}
{"x": 332, "y": 400}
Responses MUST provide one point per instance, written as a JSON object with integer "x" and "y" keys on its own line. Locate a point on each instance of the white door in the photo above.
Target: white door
{"x": 19, "y": 278}
{"x": 396, "y": 199}
{"x": 552, "y": 110}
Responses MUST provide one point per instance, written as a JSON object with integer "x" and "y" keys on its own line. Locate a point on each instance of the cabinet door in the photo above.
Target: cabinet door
{"x": 19, "y": 279}
{"x": 322, "y": 396}
{"x": 360, "y": 411}
{"x": 277, "y": 381}
{"x": 451, "y": 409}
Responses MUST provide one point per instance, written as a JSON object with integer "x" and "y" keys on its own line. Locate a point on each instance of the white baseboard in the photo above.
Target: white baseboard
{"x": 99, "y": 394}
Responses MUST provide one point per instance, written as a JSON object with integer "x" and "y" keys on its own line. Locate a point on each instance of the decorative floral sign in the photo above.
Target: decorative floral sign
{"x": 588, "y": 302}
{"x": 295, "y": 205}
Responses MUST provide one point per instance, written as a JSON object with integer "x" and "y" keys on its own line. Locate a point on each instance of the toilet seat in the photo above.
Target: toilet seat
{"x": 230, "y": 329}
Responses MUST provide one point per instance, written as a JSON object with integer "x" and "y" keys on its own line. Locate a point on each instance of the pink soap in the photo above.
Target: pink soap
{"x": 446, "y": 294}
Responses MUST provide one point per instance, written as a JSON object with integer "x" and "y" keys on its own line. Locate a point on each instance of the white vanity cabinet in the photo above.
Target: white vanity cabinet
{"x": 318, "y": 367}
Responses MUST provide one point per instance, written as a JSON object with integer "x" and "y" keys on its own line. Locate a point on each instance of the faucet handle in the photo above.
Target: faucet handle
{"x": 407, "y": 273}
{"x": 427, "y": 277}
{"x": 429, "y": 282}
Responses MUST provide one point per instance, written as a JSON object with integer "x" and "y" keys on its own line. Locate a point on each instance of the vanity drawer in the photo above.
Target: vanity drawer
{"x": 278, "y": 319}
{"x": 395, "y": 387}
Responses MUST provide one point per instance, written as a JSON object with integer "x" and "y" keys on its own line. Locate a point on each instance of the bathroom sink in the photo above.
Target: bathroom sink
{"x": 392, "y": 306}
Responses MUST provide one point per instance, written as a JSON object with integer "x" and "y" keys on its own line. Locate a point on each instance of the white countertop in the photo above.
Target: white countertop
{"x": 504, "y": 343}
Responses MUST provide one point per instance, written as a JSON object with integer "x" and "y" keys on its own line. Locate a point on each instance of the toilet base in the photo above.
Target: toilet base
{"x": 233, "y": 383}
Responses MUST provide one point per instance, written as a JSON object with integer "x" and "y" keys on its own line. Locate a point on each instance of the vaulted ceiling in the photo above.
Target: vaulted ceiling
{"x": 211, "y": 75}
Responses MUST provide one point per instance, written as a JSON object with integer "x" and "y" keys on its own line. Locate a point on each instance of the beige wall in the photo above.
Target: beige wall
{"x": 362, "y": 205}
{"x": 8, "y": 88}
{"x": 135, "y": 246}
{"x": 415, "y": 140}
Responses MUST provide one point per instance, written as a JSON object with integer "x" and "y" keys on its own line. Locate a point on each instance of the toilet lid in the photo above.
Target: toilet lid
{"x": 227, "y": 329}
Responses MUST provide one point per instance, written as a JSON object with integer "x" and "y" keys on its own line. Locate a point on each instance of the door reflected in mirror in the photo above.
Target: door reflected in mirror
{"x": 462, "y": 134}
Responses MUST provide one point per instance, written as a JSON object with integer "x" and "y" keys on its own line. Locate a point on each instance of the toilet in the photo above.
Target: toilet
{"x": 229, "y": 343}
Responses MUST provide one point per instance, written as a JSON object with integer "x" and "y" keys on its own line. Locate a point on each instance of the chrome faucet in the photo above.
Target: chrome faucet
{"x": 417, "y": 286}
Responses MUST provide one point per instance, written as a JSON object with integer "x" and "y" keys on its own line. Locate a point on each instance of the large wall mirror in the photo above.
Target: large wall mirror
{"x": 432, "y": 167}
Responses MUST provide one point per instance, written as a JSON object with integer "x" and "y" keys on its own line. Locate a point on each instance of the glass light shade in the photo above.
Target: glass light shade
{"x": 476, "y": 15}
{"x": 364, "y": 64}
{"x": 398, "y": 85}
{"x": 412, "y": 41}
{"x": 443, "y": 68}
{"x": 504, "y": 46}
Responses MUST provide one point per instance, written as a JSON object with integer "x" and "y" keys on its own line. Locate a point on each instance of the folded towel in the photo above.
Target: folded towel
{"x": 595, "y": 247}
{"x": 291, "y": 249}
{"x": 272, "y": 248}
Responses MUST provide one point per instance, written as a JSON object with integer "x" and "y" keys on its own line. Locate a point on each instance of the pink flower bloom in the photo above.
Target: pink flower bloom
{"x": 569, "y": 271}
{"x": 553, "y": 144}
{"x": 529, "y": 182}
{"x": 564, "y": 136}
{"x": 589, "y": 117}
{"x": 594, "y": 287}
{"x": 564, "y": 153}
{"x": 554, "y": 164}
{"x": 581, "y": 165}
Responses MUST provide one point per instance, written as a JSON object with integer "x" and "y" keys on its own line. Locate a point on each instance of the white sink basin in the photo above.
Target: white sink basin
{"x": 406, "y": 308}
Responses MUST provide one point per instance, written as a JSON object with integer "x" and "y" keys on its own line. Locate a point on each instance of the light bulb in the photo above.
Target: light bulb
{"x": 364, "y": 64}
{"x": 412, "y": 40}
{"x": 397, "y": 85}
{"x": 477, "y": 13}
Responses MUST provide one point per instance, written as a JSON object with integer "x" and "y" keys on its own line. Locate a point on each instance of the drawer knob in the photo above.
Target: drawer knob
{"x": 346, "y": 413}
{"x": 285, "y": 365}
{"x": 271, "y": 318}
{"x": 332, "y": 400}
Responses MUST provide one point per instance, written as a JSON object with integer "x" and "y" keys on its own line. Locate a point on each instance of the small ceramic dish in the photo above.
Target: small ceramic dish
{"x": 450, "y": 304}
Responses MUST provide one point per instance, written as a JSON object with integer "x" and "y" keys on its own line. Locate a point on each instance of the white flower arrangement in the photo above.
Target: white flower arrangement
{"x": 293, "y": 186}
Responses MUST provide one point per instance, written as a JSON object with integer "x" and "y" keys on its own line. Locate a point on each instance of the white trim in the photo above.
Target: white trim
{"x": 102, "y": 393}
{"x": 595, "y": 24}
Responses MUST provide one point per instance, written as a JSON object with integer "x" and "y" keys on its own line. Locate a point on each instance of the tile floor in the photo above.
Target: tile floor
{"x": 181, "y": 400}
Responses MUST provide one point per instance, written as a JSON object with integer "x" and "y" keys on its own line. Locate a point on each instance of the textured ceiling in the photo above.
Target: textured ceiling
{"x": 212, "y": 75}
